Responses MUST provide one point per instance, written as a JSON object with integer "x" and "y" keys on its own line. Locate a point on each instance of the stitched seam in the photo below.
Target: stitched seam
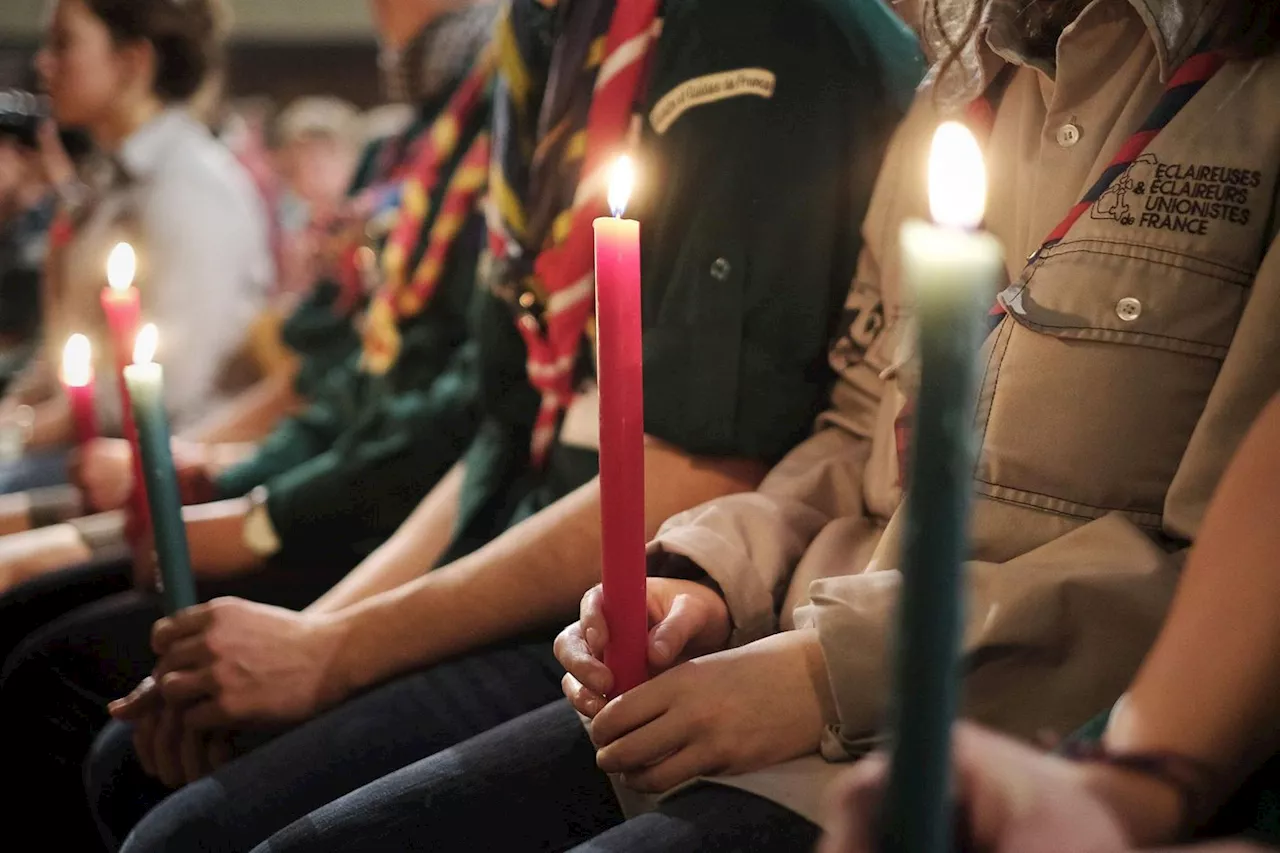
{"x": 1037, "y": 508}
{"x": 1170, "y": 264}
{"x": 991, "y": 403}
{"x": 1223, "y": 347}
{"x": 1064, "y": 500}
{"x": 1195, "y": 258}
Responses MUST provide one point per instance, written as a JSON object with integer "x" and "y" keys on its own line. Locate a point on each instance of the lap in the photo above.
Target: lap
{"x": 29, "y": 606}
{"x": 530, "y": 783}
{"x": 362, "y": 740}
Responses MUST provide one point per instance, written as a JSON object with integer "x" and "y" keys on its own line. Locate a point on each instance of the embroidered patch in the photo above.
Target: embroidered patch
{"x": 708, "y": 89}
{"x": 1178, "y": 197}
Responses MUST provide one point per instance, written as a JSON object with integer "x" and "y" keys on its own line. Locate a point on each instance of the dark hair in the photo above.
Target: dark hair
{"x": 1250, "y": 30}
{"x": 1246, "y": 30}
{"x": 186, "y": 36}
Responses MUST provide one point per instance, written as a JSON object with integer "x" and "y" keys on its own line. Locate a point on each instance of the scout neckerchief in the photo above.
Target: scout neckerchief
{"x": 400, "y": 294}
{"x": 1190, "y": 77}
{"x": 586, "y": 114}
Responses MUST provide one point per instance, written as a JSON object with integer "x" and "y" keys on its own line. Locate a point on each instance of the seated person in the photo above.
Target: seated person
{"x": 244, "y": 440}
{"x": 1182, "y": 753}
{"x": 1110, "y": 403}
{"x": 124, "y": 71}
{"x": 744, "y": 265}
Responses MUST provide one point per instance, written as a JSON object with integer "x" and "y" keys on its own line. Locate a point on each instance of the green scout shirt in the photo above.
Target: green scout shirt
{"x": 751, "y": 205}
{"x": 344, "y": 474}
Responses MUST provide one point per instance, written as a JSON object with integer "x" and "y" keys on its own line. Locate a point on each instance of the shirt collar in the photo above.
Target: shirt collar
{"x": 140, "y": 152}
{"x": 1176, "y": 27}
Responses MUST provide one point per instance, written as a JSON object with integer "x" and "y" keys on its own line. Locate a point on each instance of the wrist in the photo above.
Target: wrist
{"x": 341, "y": 677}
{"x": 1149, "y": 809}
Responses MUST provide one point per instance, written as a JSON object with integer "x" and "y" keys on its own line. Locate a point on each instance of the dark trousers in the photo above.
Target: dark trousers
{"x": 374, "y": 734}
{"x": 55, "y": 686}
{"x": 30, "y": 606}
{"x": 532, "y": 785}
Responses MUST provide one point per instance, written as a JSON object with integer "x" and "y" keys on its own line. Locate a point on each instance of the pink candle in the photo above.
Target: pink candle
{"x": 123, "y": 306}
{"x": 621, "y": 378}
{"x": 77, "y": 381}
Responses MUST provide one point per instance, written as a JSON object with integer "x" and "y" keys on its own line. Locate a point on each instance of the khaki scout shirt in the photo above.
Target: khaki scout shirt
{"x": 1111, "y": 399}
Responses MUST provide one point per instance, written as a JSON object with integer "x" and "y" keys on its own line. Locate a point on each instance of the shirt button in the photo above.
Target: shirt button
{"x": 1128, "y": 309}
{"x": 720, "y": 269}
{"x": 1068, "y": 135}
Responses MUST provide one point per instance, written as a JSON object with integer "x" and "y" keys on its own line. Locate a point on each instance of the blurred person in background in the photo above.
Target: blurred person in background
{"x": 124, "y": 70}
{"x": 26, "y": 211}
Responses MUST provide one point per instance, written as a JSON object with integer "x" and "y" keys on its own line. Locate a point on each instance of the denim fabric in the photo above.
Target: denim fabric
{"x": 362, "y": 740}
{"x": 532, "y": 785}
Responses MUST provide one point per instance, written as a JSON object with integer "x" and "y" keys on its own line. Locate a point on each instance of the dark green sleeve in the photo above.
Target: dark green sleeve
{"x": 353, "y": 495}
{"x": 401, "y": 433}
{"x": 321, "y": 336}
{"x": 751, "y": 234}
{"x": 294, "y": 441}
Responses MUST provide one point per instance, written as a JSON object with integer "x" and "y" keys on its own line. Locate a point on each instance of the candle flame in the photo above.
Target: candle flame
{"x": 957, "y": 178}
{"x": 122, "y": 266}
{"x": 144, "y": 347}
{"x": 622, "y": 180}
{"x": 77, "y": 362}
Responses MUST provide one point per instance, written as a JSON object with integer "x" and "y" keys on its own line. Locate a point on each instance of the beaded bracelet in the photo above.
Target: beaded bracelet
{"x": 1191, "y": 778}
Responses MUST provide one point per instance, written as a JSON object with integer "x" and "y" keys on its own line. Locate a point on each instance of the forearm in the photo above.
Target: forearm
{"x": 215, "y": 534}
{"x": 533, "y": 575}
{"x": 413, "y": 550}
{"x": 252, "y": 415}
{"x": 1225, "y": 610}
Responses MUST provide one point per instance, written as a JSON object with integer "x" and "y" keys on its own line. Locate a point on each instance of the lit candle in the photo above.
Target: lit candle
{"x": 122, "y": 305}
{"x": 621, "y": 379}
{"x": 145, "y": 381}
{"x": 77, "y": 381}
{"x": 952, "y": 271}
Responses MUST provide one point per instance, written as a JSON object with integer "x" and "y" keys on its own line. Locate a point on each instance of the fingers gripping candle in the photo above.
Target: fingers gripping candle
{"x": 621, "y": 380}
{"x": 951, "y": 270}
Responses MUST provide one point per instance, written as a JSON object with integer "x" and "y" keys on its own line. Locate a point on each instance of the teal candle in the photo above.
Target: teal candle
{"x": 952, "y": 274}
{"x": 145, "y": 381}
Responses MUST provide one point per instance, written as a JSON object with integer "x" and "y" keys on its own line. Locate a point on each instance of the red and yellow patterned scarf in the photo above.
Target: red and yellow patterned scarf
{"x": 400, "y": 294}
{"x": 589, "y": 129}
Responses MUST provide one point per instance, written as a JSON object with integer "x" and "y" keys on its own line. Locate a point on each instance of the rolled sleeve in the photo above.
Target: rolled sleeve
{"x": 1050, "y": 637}
{"x": 751, "y": 543}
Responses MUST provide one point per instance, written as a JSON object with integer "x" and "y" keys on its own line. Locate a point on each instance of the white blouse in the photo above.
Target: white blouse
{"x": 204, "y": 259}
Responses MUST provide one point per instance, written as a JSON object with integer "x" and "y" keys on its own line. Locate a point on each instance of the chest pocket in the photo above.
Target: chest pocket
{"x": 1096, "y": 380}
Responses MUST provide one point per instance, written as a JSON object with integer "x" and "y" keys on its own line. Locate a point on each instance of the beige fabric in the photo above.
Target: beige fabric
{"x": 1102, "y": 435}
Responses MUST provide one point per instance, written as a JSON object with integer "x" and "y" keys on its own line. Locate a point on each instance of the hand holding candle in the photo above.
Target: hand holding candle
{"x": 951, "y": 270}
{"x": 145, "y": 381}
{"x": 619, "y": 365}
{"x": 77, "y": 381}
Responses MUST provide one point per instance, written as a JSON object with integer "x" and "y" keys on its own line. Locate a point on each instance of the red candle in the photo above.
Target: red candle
{"x": 621, "y": 378}
{"x": 123, "y": 307}
{"x": 77, "y": 381}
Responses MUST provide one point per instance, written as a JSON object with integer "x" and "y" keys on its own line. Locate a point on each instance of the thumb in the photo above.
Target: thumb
{"x": 144, "y": 699}
{"x": 668, "y": 639}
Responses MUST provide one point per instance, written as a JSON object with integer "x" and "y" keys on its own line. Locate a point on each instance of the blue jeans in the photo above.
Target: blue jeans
{"x": 374, "y": 734}
{"x": 532, "y": 785}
